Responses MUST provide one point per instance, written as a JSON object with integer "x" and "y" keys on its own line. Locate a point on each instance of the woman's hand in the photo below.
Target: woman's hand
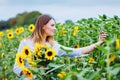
{"x": 102, "y": 37}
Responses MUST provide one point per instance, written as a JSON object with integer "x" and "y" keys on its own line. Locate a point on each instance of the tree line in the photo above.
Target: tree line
{"x": 24, "y": 18}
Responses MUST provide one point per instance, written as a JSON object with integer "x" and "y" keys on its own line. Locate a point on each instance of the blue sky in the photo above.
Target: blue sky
{"x": 61, "y": 10}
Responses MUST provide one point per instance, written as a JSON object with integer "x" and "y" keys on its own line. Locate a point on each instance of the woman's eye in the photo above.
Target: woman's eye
{"x": 52, "y": 25}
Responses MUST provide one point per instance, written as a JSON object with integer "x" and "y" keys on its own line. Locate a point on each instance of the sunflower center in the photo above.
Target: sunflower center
{"x": 76, "y": 46}
{"x": 30, "y": 27}
{"x": 10, "y": 35}
{"x": 49, "y": 53}
{"x": 20, "y": 60}
{"x": 28, "y": 73}
{"x": 26, "y": 52}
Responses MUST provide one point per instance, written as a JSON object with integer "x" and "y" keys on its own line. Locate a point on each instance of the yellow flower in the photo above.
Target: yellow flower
{"x": 2, "y": 55}
{"x": 75, "y": 31}
{"x": 1, "y": 33}
{"x": 8, "y": 30}
{"x": 117, "y": 43}
{"x": 19, "y": 60}
{"x": 77, "y": 60}
{"x": 37, "y": 49}
{"x": 112, "y": 58}
{"x": 0, "y": 45}
{"x": 35, "y": 57}
{"x": 63, "y": 32}
{"x": 30, "y": 60}
{"x": 76, "y": 46}
{"x": 91, "y": 60}
{"x": 62, "y": 74}
{"x": 28, "y": 74}
{"x": 5, "y": 67}
{"x": 4, "y": 78}
{"x": 21, "y": 39}
{"x": 26, "y": 51}
{"x": 21, "y": 29}
{"x": 10, "y": 35}
{"x": 31, "y": 27}
{"x": 17, "y": 31}
{"x": 50, "y": 54}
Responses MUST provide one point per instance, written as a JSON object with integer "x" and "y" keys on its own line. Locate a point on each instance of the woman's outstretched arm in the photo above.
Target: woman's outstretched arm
{"x": 78, "y": 51}
{"x": 90, "y": 48}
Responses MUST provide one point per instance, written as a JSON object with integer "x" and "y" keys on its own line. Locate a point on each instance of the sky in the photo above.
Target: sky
{"x": 61, "y": 10}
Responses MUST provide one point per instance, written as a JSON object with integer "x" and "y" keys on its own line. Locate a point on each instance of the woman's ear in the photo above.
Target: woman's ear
{"x": 44, "y": 27}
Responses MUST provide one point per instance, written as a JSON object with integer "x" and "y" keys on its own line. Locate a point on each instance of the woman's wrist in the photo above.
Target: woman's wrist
{"x": 98, "y": 43}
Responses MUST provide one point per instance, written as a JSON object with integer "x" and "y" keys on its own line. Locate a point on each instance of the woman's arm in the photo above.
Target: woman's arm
{"x": 78, "y": 51}
{"x": 90, "y": 48}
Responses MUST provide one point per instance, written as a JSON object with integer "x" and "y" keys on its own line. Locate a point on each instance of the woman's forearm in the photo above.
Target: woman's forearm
{"x": 90, "y": 48}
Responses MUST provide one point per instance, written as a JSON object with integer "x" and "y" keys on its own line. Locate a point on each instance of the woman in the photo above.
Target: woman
{"x": 43, "y": 34}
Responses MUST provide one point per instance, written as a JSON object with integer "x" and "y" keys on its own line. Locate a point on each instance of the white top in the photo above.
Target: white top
{"x": 56, "y": 46}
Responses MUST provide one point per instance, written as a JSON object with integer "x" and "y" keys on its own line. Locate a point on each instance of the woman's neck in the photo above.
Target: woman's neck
{"x": 43, "y": 41}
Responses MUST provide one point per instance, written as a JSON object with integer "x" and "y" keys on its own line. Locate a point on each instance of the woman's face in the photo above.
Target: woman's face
{"x": 49, "y": 28}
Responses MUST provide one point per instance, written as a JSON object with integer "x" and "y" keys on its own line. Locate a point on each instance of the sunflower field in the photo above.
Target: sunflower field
{"x": 101, "y": 64}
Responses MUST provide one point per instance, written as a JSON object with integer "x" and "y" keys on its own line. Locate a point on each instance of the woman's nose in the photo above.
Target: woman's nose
{"x": 54, "y": 28}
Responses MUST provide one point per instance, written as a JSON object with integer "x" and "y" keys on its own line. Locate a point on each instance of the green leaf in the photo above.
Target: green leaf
{"x": 101, "y": 48}
{"x": 115, "y": 69}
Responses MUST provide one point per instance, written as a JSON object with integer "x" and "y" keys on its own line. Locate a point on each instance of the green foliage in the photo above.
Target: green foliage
{"x": 106, "y": 57}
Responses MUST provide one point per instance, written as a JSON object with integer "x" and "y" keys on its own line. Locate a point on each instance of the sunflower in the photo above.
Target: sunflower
{"x": 28, "y": 74}
{"x": 91, "y": 60}
{"x": 112, "y": 58}
{"x": 5, "y": 67}
{"x": 21, "y": 29}
{"x": 20, "y": 38}
{"x": 19, "y": 60}
{"x": 117, "y": 43}
{"x": 17, "y": 31}
{"x": 37, "y": 49}
{"x": 30, "y": 60}
{"x": 75, "y": 31}
{"x": 50, "y": 54}
{"x": 31, "y": 27}
{"x": 1, "y": 33}
{"x": 61, "y": 74}
{"x": 10, "y": 35}
{"x": 76, "y": 46}
{"x": 8, "y": 30}
{"x": 63, "y": 32}
{"x": 26, "y": 51}
{"x": 0, "y": 44}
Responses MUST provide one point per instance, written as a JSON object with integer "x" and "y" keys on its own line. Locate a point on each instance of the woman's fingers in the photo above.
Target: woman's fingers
{"x": 102, "y": 36}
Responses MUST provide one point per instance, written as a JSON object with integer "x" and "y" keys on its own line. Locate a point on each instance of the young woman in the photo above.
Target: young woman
{"x": 43, "y": 34}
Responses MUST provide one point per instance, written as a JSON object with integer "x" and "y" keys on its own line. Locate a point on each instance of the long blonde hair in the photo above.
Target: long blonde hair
{"x": 37, "y": 35}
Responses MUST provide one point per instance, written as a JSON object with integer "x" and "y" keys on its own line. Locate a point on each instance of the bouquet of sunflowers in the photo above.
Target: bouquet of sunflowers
{"x": 35, "y": 62}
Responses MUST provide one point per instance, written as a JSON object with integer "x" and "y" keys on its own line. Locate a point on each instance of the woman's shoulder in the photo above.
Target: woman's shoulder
{"x": 25, "y": 40}
{"x": 56, "y": 44}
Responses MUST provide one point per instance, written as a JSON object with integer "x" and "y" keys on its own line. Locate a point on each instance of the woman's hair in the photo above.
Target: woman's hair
{"x": 37, "y": 35}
